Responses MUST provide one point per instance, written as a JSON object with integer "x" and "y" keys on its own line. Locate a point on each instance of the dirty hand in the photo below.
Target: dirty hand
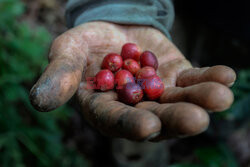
{"x": 181, "y": 110}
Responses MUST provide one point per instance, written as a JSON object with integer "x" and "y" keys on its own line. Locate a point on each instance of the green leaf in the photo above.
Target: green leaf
{"x": 32, "y": 147}
{"x": 10, "y": 9}
{"x": 217, "y": 156}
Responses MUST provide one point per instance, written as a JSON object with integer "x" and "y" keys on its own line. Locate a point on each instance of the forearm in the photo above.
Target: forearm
{"x": 156, "y": 13}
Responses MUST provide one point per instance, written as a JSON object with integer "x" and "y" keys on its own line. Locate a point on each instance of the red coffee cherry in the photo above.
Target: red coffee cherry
{"x": 153, "y": 87}
{"x": 131, "y": 93}
{"x": 104, "y": 80}
{"x": 149, "y": 59}
{"x": 145, "y": 72}
{"x": 112, "y": 62}
{"x": 131, "y": 51}
{"x": 131, "y": 65}
{"x": 123, "y": 77}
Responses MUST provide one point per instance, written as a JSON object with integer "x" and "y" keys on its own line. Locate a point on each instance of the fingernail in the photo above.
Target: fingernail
{"x": 231, "y": 84}
{"x": 150, "y": 137}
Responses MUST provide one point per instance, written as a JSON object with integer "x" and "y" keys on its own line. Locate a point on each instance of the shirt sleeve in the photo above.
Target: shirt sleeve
{"x": 156, "y": 13}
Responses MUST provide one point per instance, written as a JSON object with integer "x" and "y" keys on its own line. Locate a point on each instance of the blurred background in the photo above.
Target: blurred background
{"x": 207, "y": 32}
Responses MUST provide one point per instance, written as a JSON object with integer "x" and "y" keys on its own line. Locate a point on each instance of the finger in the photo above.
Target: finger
{"x": 209, "y": 95}
{"x": 222, "y": 74}
{"x": 116, "y": 119}
{"x": 170, "y": 70}
{"x": 178, "y": 119}
{"x": 62, "y": 76}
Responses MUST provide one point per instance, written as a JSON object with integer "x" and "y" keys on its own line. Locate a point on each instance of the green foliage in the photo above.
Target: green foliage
{"x": 218, "y": 156}
{"x": 240, "y": 110}
{"x": 27, "y": 137}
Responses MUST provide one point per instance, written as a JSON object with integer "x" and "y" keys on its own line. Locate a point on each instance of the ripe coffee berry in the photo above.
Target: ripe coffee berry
{"x": 131, "y": 65}
{"x": 130, "y": 89}
{"x": 112, "y": 61}
{"x": 104, "y": 80}
{"x": 131, "y": 93}
{"x": 123, "y": 77}
{"x": 149, "y": 59}
{"x": 153, "y": 87}
{"x": 145, "y": 72}
{"x": 131, "y": 51}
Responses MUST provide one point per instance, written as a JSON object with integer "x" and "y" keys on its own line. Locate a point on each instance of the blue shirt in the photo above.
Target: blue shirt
{"x": 156, "y": 13}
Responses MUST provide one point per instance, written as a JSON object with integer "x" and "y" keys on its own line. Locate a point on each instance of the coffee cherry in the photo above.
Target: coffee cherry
{"x": 125, "y": 67}
{"x": 149, "y": 59}
{"x": 131, "y": 93}
{"x": 112, "y": 62}
{"x": 123, "y": 77}
{"x": 104, "y": 80}
{"x": 131, "y": 51}
{"x": 145, "y": 72}
{"x": 153, "y": 87}
{"x": 131, "y": 65}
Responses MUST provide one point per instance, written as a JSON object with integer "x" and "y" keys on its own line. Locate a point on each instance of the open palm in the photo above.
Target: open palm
{"x": 78, "y": 53}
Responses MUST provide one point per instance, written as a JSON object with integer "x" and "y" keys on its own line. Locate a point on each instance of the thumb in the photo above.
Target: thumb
{"x": 62, "y": 76}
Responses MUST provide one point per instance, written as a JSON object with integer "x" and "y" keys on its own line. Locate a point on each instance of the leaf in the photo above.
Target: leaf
{"x": 240, "y": 111}
{"x": 10, "y": 9}
{"x": 32, "y": 147}
{"x": 3, "y": 139}
{"x": 216, "y": 156}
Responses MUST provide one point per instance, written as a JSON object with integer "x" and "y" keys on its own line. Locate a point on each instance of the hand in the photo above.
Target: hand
{"x": 78, "y": 53}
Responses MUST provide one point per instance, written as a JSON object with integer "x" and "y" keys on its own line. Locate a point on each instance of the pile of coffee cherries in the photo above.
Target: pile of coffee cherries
{"x": 132, "y": 74}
